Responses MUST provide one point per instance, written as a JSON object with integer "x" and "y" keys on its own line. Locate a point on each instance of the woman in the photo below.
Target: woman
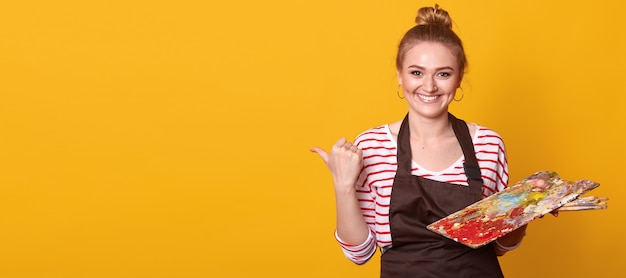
{"x": 435, "y": 163}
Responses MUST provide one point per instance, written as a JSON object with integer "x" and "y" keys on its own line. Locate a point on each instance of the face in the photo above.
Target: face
{"x": 429, "y": 77}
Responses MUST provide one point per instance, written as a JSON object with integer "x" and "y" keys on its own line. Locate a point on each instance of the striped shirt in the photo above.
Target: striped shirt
{"x": 379, "y": 169}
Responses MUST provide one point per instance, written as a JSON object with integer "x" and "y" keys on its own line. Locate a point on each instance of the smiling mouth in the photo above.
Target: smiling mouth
{"x": 428, "y": 98}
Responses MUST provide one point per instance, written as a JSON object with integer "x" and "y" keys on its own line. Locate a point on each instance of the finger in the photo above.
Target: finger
{"x": 538, "y": 183}
{"x": 322, "y": 153}
{"x": 340, "y": 143}
{"x": 342, "y": 146}
{"x": 348, "y": 146}
{"x": 541, "y": 183}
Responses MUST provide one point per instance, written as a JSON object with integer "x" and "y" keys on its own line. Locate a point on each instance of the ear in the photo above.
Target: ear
{"x": 399, "y": 79}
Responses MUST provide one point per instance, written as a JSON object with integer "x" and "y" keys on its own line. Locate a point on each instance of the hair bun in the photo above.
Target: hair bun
{"x": 433, "y": 15}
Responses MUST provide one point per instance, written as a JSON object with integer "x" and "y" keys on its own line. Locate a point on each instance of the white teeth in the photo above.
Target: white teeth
{"x": 427, "y": 98}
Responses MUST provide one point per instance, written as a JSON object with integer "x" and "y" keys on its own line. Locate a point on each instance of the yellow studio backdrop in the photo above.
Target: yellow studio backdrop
{"x": 171, "y": 138}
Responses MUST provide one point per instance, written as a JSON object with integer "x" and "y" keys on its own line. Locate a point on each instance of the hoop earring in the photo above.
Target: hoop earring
{"x": 462, "y": 94}
{"x": 398, "y": 91}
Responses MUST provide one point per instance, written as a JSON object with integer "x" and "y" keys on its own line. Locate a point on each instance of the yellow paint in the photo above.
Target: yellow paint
{"x": 534, "y": 196}
{"x": 170, "y": 138}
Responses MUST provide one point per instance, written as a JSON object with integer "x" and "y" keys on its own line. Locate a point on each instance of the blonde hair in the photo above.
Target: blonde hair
{"x": 433, "y": 25}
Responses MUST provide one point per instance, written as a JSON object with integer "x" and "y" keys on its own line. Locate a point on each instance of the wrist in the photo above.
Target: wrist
{"x": 345, "y": 190}
{"x": 513, "y": 238}
{"x": 506, "y": 248}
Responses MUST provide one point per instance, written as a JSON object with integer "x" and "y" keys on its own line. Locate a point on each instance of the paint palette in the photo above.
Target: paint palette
{"x": 492, "y": 217}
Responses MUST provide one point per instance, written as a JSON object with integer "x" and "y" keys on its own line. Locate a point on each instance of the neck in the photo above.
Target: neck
{"x": 426, "y": 129}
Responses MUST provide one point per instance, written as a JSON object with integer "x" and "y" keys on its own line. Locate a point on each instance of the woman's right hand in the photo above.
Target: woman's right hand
{"x": 344, "y": 162}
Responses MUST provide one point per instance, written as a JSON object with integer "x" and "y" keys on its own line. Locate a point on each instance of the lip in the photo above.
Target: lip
{"x": 428, "y": 98}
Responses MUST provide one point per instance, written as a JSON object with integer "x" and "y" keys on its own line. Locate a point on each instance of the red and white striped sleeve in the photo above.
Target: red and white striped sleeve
{"x": 370, "y": 143}
{"x": 359, "y": 254}
{"x": 491, "y": 156}
{"x": 490, "y": 147}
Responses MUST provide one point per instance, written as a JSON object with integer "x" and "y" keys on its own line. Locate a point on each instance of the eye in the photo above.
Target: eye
{"x": 444, "y": 74}
{"x": 416, "y": 73}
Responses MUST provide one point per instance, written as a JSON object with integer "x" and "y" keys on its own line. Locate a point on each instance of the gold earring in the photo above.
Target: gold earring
{"x": 462, "y": 94}
{"x": 398, "y": 91}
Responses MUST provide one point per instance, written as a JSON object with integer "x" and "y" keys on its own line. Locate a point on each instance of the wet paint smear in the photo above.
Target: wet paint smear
{"x": 503, "y": 212}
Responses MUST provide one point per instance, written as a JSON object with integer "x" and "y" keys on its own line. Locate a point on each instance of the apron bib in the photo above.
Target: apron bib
{"x": 417, "y": 202}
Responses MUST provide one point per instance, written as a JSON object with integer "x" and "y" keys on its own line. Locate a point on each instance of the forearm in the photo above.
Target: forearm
{"x": 510, "y": 241}
{"x": 513, "y": 238}
{"x": 351, "y": 226}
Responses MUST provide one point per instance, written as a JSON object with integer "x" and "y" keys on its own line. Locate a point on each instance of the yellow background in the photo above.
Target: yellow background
{"x": 171, "y": 138}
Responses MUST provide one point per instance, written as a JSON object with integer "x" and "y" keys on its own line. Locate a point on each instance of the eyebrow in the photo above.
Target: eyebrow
{"x": 437, "y": 69}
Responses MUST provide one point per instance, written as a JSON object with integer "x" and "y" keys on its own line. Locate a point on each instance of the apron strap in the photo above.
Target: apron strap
{"x": 472, "y": 170}
{"x": 404, "y": 149}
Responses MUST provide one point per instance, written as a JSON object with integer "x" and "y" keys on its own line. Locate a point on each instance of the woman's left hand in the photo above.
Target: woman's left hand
{"x": 541, "y": 185}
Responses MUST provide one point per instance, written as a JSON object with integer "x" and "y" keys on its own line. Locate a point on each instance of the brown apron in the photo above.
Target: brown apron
{"x": 417, "y": 202}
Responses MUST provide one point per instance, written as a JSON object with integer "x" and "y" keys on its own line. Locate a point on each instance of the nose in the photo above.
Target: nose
{"x": 429, "y": 85}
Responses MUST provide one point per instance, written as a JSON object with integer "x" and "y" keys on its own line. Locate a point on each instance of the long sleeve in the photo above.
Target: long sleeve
{"x": 359, "y": 254}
